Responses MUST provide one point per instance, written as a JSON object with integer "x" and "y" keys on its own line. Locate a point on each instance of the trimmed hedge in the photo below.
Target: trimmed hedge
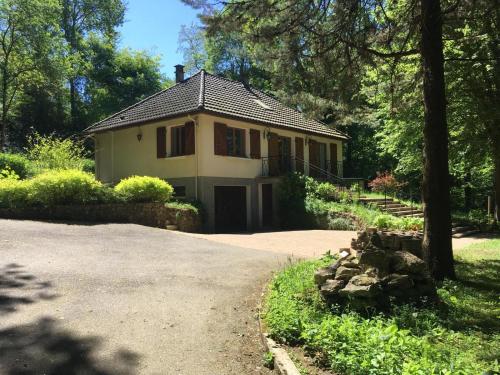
{"x": 144, "y": 189}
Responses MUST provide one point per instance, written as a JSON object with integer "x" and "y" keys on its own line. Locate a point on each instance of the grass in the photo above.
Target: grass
{"x": 462, "y": 336}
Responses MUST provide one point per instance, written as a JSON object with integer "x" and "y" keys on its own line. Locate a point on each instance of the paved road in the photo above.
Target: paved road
{"x": 126, "y": 299}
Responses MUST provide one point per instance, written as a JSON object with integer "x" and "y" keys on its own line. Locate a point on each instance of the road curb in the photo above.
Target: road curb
{"x": 282, "y": 361}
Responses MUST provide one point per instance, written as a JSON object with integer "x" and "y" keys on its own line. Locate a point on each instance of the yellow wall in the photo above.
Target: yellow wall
{"x": 119, "y": 154}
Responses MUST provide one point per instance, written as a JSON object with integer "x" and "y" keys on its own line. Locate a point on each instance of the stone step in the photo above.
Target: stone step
{"x": 465, "y": 234}
{"x": 409, "y": 214}
{"x": 460, "y": 229}
{"x": 172, "y": 227}
{"x": 374, "y": 200}
{"x": 399, "y": 208}
{"x": 390, "y": 205}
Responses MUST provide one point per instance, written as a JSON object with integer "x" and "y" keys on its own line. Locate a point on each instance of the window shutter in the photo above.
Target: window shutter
{"x": 254, "y": 144}
{"x": 189, "y": 126}
{"x": 220, "y": 141}
{"x": 161, "y": 142}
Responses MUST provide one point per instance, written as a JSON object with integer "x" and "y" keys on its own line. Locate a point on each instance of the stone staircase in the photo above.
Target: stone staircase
{"x": 396, "y": 208}
{"x": 393, "y": 207}
{"x": 171, "y": 226}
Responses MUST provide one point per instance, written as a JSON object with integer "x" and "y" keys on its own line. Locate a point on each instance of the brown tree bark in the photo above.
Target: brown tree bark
{"x": 437, "y": 247}
{"x": 496, "y": 164}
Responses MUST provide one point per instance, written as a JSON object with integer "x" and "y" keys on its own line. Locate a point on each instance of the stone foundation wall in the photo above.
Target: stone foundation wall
{"x": 150, "y": 214}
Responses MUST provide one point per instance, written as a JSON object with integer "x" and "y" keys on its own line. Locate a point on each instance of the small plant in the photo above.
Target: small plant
{"x": 144, "y": 189}
{"x": 268, "y": 360}
{"x": 384, "y": 221}
{"x": 8, "y": 173}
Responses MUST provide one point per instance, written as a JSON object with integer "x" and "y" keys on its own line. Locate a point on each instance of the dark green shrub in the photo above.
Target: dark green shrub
{"x": 88, "y": 166}
{"x": 340, "y": 223}
{"x": 327, "y": 192}
{"x": 65, "y": 187}
{"x": 16, "y": 162}
{"x": 292, "y": 193}
{"x": 144, "y": 189}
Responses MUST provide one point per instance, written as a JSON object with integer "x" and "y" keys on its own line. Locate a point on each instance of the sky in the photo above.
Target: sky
{"x": 154, "y": 25}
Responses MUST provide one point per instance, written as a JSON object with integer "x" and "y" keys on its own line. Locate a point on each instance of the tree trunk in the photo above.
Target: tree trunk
{"x": 437, "y": 247}
{"x": 73, "y": 103}
{"x": 496, "y": 163}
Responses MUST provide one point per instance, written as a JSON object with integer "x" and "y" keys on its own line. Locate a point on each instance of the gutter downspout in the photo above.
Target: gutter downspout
{"x": 195, "y": 120}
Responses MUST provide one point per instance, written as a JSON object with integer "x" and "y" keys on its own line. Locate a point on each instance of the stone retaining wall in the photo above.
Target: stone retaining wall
{"x": 150, "y": 214}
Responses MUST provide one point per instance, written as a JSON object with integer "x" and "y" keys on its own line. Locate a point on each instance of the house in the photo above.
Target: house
{"x": 219, "y": 141}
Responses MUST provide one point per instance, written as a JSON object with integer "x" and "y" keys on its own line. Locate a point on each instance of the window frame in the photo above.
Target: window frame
{"x": 178, "y": 148}
{"x": 230, "y": 148}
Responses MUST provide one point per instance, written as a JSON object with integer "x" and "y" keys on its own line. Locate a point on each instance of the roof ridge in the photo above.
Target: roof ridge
{"x": 201, "y": 98}
{"x": 140, "y": 101}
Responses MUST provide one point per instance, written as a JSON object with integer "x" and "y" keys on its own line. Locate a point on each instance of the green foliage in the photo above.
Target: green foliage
{"x": 292, "y": 192}
{"x": 144, "y": 189}
{"x": 340, "y": 223}
{"x": 15, "y": 162}
{"x": 185, "y": 206}
{"x": 53, "y": 153}
{"x": 459, "y": 337}
{"x": 62, "y": 187}
{"x": 268, "y": 360}
{"x": 14, "y": 193}
{"x": 327, "y": 192}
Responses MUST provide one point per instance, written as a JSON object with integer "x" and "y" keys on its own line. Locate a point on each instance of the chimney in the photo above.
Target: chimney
{"x": 179, "y": 73}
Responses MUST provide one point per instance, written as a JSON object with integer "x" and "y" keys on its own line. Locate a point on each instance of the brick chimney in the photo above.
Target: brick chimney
{"x": 179, "y": 73}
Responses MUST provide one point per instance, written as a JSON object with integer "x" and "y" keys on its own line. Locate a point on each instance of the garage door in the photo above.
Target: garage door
{"x": 230, "y": 208}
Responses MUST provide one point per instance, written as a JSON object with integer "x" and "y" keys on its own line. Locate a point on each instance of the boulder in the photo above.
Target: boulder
{"x": 331, "y": 288}
{"x": 323, "y": 274}
{"x": 345, "y": 273}
{"x": 398, "y": 281}
{"x": 363, "y": 286}
{"x": 375, "y": 258}
{"x": 375, "y": 240}
{"x": 405, "y": 262}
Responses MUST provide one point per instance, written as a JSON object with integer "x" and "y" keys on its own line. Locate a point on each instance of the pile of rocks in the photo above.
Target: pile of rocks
{"x": 373, "y": 275}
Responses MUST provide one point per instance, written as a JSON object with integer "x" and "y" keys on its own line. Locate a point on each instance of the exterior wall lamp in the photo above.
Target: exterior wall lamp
{"x": 266, "y": 134}
{"x": 139, "y": 135}
{"x": 308, "y": 140}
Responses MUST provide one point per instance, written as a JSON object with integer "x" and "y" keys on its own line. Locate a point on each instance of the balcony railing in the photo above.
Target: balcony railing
{"x": 281, "y": 165}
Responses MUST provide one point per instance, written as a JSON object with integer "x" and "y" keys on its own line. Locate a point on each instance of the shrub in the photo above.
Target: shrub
{"x": 411, "y": 223}
{"x": 144, "y": 189}
{"x": 65, "y": 187}
{"x": 14, "y": 193}
{"x": 88, "y": 166}
{"x": 50, "y": 152}
{"x": 16, "y": 162}
{"x": 292, "y": 192}
{"x": 385, "y": 221}
{"x": 326, "y": 192}
{"x": 340, "y": 223}
{"x": 385, "y": 183}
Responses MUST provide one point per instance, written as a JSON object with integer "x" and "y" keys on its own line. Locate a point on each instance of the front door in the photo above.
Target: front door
{"x": 299, "y": 154}
{"x": 285, "y": 153}
{"x": 313, "y": 158}
{"x": 322, "y": 160}
{"x": 230, "y": 208}
{"x": 274, "y": 151}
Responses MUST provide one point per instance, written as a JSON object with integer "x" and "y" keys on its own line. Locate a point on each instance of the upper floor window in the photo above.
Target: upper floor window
{"x": 178, "y": 140}
{"x": 235, "y": 139}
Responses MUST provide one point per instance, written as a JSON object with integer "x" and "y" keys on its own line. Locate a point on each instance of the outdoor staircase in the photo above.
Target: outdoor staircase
{"x": 171, "y": 226}
{"x": 393, "y": 207}
{"x": 396, "y": 208}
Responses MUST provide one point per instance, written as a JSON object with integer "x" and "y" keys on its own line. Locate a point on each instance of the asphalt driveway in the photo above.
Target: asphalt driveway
{"x": 127, "y": 299}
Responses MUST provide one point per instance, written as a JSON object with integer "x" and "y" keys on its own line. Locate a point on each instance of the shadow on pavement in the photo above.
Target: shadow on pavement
{"x": 17, "y": 287}
{"x": 43, "y": 348}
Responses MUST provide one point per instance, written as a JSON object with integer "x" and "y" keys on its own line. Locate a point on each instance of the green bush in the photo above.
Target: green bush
{"x": 340, "y": 223}
{"x": 14, "y": 193}
{"x": 49, "y": 152}
{"x": 16, "y": 162}
{"x": 144, "y": 189}
{"x": 384, "y": 221}
{"x": 327, "y": 192}
{"x": 65, "y": 187}
{"x": 88, "y": 166}
{"x": 183, "y": 206}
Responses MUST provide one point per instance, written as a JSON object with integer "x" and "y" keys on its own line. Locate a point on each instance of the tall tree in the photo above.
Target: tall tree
{"x": 27, "y": 38}
{"x": 79, "y": 19}
{"x": 329, "y": 41}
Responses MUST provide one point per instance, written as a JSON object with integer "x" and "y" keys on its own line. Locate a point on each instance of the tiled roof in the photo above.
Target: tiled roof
{"x": 209, "y": 93}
